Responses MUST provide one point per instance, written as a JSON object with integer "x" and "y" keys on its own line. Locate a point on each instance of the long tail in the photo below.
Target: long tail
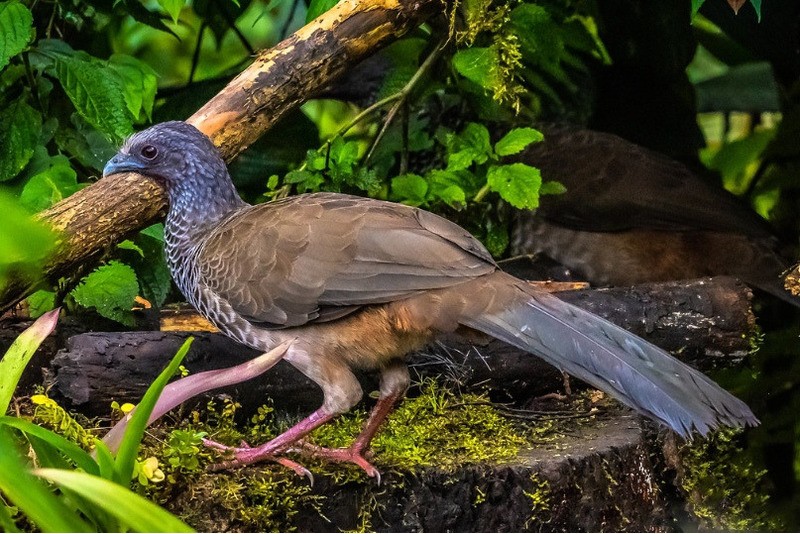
{"x": 606, "y": 356}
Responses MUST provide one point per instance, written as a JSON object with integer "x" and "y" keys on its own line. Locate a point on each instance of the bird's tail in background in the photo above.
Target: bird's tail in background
{"x": 606, "y": 356}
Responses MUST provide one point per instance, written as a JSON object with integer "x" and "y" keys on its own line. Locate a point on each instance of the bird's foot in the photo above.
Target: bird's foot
{"x": 353, "y": 455}
{"x": 245, "y": 455}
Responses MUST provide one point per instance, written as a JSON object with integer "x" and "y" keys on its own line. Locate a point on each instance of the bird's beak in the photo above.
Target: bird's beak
{"x": 122, "y": 163}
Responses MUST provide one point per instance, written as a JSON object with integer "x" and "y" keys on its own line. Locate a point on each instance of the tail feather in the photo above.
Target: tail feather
{"x": 610, "y": 358}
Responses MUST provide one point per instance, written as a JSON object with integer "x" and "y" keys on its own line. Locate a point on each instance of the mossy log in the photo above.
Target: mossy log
{"x": 281, "y": 78}
{"x": 707, "y": 321}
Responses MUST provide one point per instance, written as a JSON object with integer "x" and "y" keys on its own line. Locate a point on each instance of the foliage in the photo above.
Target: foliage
{"x": 93, "y": 493}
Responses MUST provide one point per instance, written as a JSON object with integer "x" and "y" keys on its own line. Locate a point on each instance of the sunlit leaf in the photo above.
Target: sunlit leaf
{"x": 172, "y": 7}
{"x": 518, "y": 184}
{"x": 110, "y": 289}
{"x": 16, "y": 30}
{"x": 696, "y": 5}
{"x": 139, "y": 82}
{"x": 516, "y": 140}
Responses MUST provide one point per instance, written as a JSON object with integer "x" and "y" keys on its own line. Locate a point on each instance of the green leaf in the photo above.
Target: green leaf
{"x": 696, "y": 5}
{"x": 173, "y": 8}
{"x": 151, "y": 269}
{"x": 128, "y": 448}
{"x": 6, "y": 521}
{"x": 757, "y": 7}
{"x": 96, "y": 92}
{"x": 16, "y": 30}
{"x": 130, "y": 245}
{"x": 472, "y": 145}
{"x": 516, "y": 140}
{"x": 40, "y": 302}
{"x": 156, "y": 231}
{"x": 24, "y": 243}
{"x": 318, "y": 7}
{"x": 20, "y": 125}
{"x": 130, "y": 509}
{"x": 463, "y": 159}
{"x": 20, "y": 353}
{"x": 49, "y": 186}
{"x": 72, "y": 451}
{"x": 478, "y": 65}
{"x": 446, "y": 186}
{"x": 518, "y": 184}
{"x": 32, "y": 495}
{"x": 139, "y": 82}
{"x": 552, "y": 188}
{"x": 110, "y": 289}
{"x": 410, "y": 189}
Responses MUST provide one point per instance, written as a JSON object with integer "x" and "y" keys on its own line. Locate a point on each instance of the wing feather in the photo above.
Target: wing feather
{"x": 319, "y": 257}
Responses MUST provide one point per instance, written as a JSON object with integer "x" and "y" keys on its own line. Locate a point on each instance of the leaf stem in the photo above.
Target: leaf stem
{"x": 482, "y": 192}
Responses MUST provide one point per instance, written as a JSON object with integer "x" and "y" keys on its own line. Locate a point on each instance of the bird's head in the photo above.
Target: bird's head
{"x": 178, "y": 156}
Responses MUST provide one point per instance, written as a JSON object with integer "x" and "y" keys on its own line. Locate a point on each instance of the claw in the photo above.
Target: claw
{"x": 350, "y": 455}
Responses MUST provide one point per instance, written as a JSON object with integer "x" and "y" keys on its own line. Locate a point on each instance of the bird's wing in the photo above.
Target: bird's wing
{"x": 319, "y": 257}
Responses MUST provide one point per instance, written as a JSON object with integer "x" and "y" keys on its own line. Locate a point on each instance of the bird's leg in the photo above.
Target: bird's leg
{"x": 394, "y": 382}
{"x": 269, "y": 450}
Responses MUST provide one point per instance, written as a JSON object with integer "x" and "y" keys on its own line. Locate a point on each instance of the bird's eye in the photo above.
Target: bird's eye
{"x": 149, "y": 152}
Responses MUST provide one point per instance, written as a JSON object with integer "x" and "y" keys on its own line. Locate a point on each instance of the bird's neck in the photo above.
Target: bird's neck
{"x": 194, "y": 210}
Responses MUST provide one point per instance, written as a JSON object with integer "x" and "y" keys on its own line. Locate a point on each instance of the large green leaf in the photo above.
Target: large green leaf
{"x": 130, "y": 509}
{"x": 517, "y": 183}
{"x": 16, "y": 30}
{"x": 95, "y": 89}
{"x": 20, "y": 353}
{"x": 20, "y": 125}
{"x": 172, "y": 7}
{"x": 410, "y": 189}
{"x": 110, "y": 289}
{"x": 31, "y": 494}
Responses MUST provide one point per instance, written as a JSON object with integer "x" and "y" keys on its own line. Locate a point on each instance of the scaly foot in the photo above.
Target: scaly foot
{"x": 353, "y": 455}
{"x": 245, "y": 455}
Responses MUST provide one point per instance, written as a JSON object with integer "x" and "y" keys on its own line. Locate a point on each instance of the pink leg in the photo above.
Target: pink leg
{"x": 393, "y": 387}
{"x": 268, "y": 451}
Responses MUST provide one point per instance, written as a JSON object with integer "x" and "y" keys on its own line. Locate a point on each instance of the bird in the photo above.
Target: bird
{"x": 630, "y": 215}
{"x": 358, "y": 283}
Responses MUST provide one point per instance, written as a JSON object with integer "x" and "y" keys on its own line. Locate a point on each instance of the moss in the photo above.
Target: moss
{"x": 540, "y": 497}
{"x": 435, "y": 428}
{"x": 724, "y": 489}
{"x": 49, "y": 414}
